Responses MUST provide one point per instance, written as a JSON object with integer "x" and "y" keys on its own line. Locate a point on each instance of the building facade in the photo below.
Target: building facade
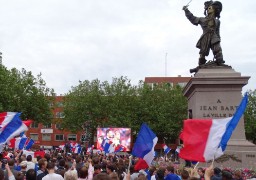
{"x": 53, "y": 135}
{"x": 172, "y": 81}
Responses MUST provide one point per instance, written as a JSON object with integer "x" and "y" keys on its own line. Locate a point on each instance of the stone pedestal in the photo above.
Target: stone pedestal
{"x": 215, "y": 93}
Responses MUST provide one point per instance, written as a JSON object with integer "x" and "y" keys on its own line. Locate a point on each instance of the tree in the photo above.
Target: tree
{"x": 250, "y": 117}
{"x": 120, "y": 104}
{"x": 163, "y": 107}
{"x": 22, "y": 92}
{"x": 99, "y": 104}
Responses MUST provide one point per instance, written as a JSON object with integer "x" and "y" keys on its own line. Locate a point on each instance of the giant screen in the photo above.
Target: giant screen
{"x": 118, "y": 136}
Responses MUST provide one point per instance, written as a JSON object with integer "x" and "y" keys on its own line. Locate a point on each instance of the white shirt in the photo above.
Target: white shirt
{"x": 53, "y": 176}
{"x": 30, "y": 165}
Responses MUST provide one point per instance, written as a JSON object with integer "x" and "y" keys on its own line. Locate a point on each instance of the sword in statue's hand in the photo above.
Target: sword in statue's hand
{"x": 186, "y": 6}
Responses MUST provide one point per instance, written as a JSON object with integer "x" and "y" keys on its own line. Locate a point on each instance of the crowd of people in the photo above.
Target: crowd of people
{"x": 68, "y": 166}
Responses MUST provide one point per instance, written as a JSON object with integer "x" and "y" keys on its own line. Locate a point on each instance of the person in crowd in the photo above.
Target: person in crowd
{"x": 79, "y": 164}
{"x": 10, "y": 176}
{"x": 31, "y": 174}
{"x": 201, "y": 173}
{"x": 51, "y": 174}
{"x": 226, "y": 175}
{"x": 71, "y": 174}
{"x": 83, "y": 174}
{"x": 10, "y": 165}
{"x": 102, "y": 176}
{"x": 160, "y": 174}
{"x": 61, "y": 167}
{"x": 184, "y": 175}
{"x": 216, "y": 174}
{"x": 23, "y": 166}
{"x": 110, "y": 169}
{"x": 237, "y": 175}
{"x": 114, "y": 176}
{"x": 97, "y": 169}
{"x": 1, "y": 174}
{"x": 141, "y": 176}
{"x": 30, "y": 164}
{"x": 170, "y": 175}
{"x": 42, "y": 164}
{"x": 134, "y": 173}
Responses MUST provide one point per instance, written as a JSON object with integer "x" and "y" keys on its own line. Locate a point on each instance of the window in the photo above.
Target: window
{"x": 60, "y": 115}
{"x": 51, "y": 115}
{"x": 169, "y": 84}
{"x": 59, "y": 104}
{"x": 46, "y": 137}
{"x": 49, "y": 125}
{"x": 34, "y": 125}
{"x": 182, "y": 84}
{"x": 34, "y": 137}
{"x": 59, "y": 137}
{"x": 71, "y": 137}
{"x": 58, "y": 126}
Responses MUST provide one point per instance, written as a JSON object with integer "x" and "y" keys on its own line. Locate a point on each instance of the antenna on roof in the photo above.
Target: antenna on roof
{"x": 165, "y": 65}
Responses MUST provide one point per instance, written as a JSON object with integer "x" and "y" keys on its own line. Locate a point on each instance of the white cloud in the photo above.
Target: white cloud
{"x": 68, "y": 41}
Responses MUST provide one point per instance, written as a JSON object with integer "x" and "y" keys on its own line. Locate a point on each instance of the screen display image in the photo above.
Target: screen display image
{"x": 118, "y": 136}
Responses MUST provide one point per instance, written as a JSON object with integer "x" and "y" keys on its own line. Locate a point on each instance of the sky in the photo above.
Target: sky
{"x": 75, "y": 40}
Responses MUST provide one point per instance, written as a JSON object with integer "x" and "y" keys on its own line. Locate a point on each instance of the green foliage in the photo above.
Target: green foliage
{"x": 22, "y": 92}
{"x": 121, "y": 104}
{"x": 250, "y": 117}
{"x": 165, "y": 108}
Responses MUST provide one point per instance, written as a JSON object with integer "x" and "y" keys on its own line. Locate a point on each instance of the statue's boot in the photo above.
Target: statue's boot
{"x": 202, "y": 61}
{"x": 219, "y": 59}
{"x": 194, "y": 70}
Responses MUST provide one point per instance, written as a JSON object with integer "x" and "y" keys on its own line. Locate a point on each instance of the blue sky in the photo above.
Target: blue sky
{"x": 68, "y": 41}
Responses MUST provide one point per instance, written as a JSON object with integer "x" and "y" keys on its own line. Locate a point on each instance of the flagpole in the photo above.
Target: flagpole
{"x": 196, "y": 165}
{"x": 130, "y": 162}
{"x": 213, "y": 160}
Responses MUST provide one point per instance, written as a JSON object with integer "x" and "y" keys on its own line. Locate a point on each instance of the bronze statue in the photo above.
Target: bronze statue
{"x": 210, "y": 39}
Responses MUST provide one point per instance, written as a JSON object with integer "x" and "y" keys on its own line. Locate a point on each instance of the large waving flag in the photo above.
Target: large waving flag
{"x": 145, "y": 144}
{"x": 166, "y": 149}
{"x": 5, "y": 118}
{"x": 30, "y": 144}
{"x": 11, "y": 126}
{"x": 206, "y": 140}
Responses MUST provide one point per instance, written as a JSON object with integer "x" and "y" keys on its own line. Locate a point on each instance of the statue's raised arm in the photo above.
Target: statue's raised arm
{"x": 210, "y": 24}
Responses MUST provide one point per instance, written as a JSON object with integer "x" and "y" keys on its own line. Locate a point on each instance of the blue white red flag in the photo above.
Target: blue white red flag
{"x": 206, "y": 140}
{"x": 22, "y": 143}
{"x": 166, "y": 149}
{"x": 30, "y": 144}
{"x": 78, "y": 149}
{"x": 5, "y": 118}
{"x": 11, "y": 125}
{"x": 145, "y": 144}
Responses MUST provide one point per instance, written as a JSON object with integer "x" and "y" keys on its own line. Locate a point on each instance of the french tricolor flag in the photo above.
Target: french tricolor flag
{"x": 145, "y": 144}
{"x": 78, "y": 149}
{"x": 205, "y": 140}
{"x": 10, "y": 126}
{"x": 166, "y": 149}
